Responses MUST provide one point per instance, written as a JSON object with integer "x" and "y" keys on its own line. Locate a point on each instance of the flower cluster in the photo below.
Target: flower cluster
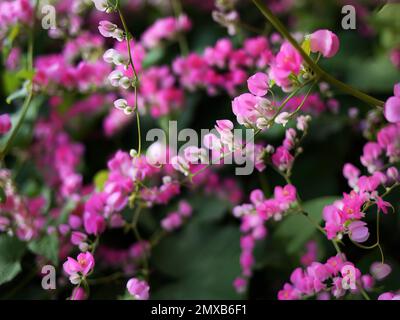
{"x": 20, "y": 215}
{"x": 222, "y": 67}
{"x": 175, "y": 219}
{"x": 57, "y": 157}
{"x": 165, "y": 29}
{"x": 13, "y": 12}
{"x": 334, "y": 278}
{"x": 344, "y": 216}
{"x": 253, "y": 216}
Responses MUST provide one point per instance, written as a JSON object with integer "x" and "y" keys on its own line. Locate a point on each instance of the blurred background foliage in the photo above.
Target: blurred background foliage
{"x": 202, "y": 259}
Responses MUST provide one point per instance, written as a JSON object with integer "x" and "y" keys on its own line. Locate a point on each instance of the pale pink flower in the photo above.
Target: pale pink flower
{"x": 139, "y": 289}
{"x": 380, "y": 270}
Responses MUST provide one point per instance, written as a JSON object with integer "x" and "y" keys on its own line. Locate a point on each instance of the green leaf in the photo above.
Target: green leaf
{"x": 100, "y": 179}
{"x": 11, "y": 82}
{"x": 11, "y": 252}
{"x": 296, "y": 229}
{"x": 17, "y": 94}
{"x": 210, "y": 208}
{"x": 154, "y": 56}
{"x": 25, "y": 74}
{"x": 47, "y": 247}
{"x": 202, "y": 260}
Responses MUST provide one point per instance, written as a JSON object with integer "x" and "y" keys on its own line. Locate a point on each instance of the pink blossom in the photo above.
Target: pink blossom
{"x": 392, "y": 106}
{"x": 282, "y": 159}
{"x": 240, "y": 284}
{"x": 287, "y": 61}
{"x": 285, "y": 195}
{"x": 83, "y": 265}
{"x": 258, "y": 84}
{"x": 185, "y": 209}
{"x": 358, "y": 231}
{"x": 389, "y": 296}
{"x": 325, "y": 42}
{"x": 380, "y": 270}
{"x": 94, "y": 223}
{"x": 171, "y": 222}
{"x": 139, "y": 289}
{"x": 78, "y": 237}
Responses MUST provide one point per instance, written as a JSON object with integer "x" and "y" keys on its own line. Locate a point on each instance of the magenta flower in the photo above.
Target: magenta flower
{"x": 139, "y": 289}
{"x": 389, "y": 296}
{"x": 282, "y": 159}
{"x": 5, "y": 123}
{"x": 325, "y": 42}
{"x": 78, "y": 237}
{"x": 240, "y": 284}
{"x": 94, "y": 223}
{"x": 380, "y": 270}
{"x": 258, "y": 84}
{"x": 392, "y": 106}
{"x": 358, "y": 231}
{"x": 82, "y": 266}
{"x": 172, "y": 221}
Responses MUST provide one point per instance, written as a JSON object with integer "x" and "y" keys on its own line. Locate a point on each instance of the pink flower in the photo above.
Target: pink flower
{"x": 288, "y": 61}
{"x": 258, "y": 84}
{"x": 325, "y": 42}
{"x": 5, "y": 123}
{"x": 171, "y": 222}
{"x": 78, "y": 237}
{"x": 240, "y": 284}
{"x": 185, "y": 209}
{"x": 380, "y": 270}
{"x": 389, "y": 296}
{"x": 333, "y": 219}
{"x": 94, "y": 223}
{"x": 110, "y": 30}
{"x": 289, "y": 293}
{"x": 282, "y": 159}
{"x": 139, "y": 289}
{"x": 351, "y": 173}
{"x": 358, "y": 231}
{"x": 367, "y": 281}
{"x": 392, "y": 106}
{"x": 82, "y": 266}
{"x": 285, "y": 195}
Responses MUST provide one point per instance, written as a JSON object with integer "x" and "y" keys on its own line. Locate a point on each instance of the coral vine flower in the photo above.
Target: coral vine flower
{"x": 325, "y": 42}
{"x": 392, "y": 106}
{"x": 139, "y": 289}
{"x": 258, "y": 84}
{"x": 82, "y": 266}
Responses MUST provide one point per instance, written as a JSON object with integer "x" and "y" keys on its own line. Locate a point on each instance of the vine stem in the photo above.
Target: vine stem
{"x": 136, "y": 79}
{"x": 29, "y": 96}
{"x": 322, "y": 74}
{"x": 183, "y": 45}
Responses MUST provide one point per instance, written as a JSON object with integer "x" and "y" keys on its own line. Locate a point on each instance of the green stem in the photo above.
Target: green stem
{"x": 136, "y": 79}
{"x": 25, "y": 108}
{"x": 28, "y": 98}
{"x": 322, "y": 74}
{"x": 183, "y": 45}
